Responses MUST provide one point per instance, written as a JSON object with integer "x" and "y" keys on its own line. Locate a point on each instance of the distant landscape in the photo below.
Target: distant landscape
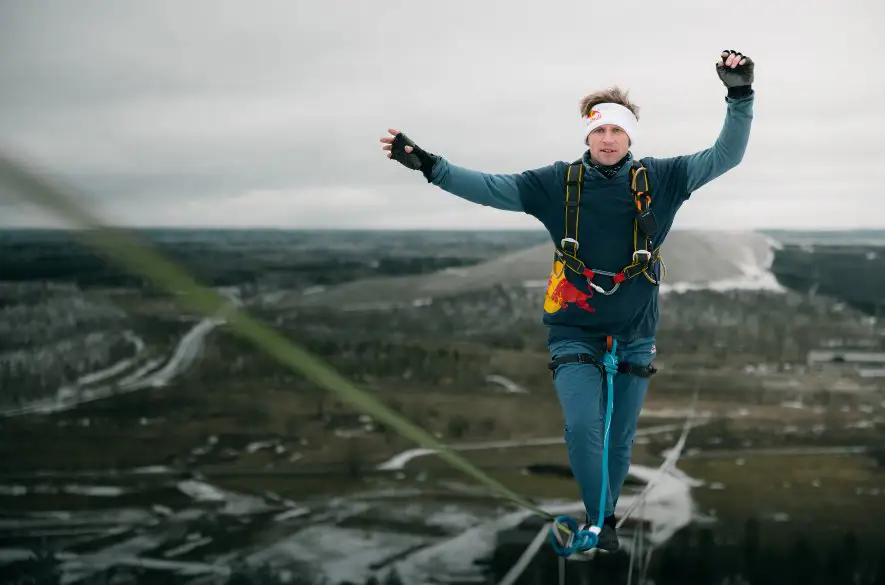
{"x": 142, "y": 443}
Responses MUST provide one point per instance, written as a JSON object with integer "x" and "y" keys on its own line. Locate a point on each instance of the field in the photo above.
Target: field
{"x": 792, "y": 451}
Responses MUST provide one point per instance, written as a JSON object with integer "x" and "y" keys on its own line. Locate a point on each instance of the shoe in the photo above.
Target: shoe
{"x": 608, "y": 537}
{"x": 564, "y": 534}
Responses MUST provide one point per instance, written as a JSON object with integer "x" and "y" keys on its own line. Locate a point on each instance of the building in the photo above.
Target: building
{"x": 863, "y": 363}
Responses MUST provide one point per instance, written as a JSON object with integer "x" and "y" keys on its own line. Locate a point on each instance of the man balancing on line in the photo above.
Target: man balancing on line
{"x": 602, "y": 296}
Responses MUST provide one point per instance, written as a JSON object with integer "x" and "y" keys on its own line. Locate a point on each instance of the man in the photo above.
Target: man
{"x": 602, "y": 292}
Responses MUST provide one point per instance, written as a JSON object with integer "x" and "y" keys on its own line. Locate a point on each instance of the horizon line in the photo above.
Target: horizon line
{"x": 539, "y": 229}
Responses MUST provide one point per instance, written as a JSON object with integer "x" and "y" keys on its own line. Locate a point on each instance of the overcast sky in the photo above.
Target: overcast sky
{"x": 269, "y": 113}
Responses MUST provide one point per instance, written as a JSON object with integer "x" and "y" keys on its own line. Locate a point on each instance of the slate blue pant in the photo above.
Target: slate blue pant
{"x": 583, "y": 395}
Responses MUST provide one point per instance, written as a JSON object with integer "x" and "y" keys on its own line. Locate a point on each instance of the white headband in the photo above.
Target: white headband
{"x": 609, "y": 113}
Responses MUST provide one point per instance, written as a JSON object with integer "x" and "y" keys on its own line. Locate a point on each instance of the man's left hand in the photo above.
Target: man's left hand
{"x": 735, "y": 69}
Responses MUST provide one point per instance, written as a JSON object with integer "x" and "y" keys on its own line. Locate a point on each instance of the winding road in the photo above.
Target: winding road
{"x": 148, "y": 374}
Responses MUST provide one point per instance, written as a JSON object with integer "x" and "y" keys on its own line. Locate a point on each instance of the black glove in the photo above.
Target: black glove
{"x": 738, "y": 79}
{"x": 418, "y": 159}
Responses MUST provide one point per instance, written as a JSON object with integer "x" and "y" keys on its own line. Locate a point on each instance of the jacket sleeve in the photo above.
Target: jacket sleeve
{"x": 509, "y": 192}
{"x": 728, "y": 150}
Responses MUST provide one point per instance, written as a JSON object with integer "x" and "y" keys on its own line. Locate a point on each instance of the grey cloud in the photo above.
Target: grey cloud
{"x": 155, "y": 104}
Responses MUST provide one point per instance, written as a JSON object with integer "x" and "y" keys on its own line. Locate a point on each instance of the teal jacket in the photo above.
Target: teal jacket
{"x": 605, "y": 226}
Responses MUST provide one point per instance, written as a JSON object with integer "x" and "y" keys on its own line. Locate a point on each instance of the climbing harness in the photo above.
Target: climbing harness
{"x": 645, "y": 225}
{"x": 585, "y": 539}
{"x": 586, "y": 358}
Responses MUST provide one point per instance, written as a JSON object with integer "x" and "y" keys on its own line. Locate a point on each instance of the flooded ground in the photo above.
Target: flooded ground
{"x": 152, "y": 524}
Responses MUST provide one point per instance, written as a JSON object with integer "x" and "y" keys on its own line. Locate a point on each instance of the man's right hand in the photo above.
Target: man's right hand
{"x": 401, "y": 149}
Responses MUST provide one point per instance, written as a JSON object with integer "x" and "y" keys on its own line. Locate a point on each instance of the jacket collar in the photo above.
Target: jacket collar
{"x": 594, "y": 173}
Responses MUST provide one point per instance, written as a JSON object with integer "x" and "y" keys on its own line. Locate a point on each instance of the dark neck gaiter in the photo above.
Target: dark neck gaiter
{"x": 609, "y": 171}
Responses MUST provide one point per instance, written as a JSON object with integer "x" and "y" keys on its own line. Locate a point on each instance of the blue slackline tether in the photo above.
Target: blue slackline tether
{"x": 587, "y": 538}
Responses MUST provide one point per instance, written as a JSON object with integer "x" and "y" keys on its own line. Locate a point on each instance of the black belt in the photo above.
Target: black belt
{"x": 586, "y": 358}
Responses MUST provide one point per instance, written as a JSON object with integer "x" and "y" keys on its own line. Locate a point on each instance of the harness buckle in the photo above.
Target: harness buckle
{"x": 646, "y": 253}
{"x": 571, "y": 241}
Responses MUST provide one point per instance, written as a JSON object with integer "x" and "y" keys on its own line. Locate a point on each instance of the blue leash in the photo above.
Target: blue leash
{"x": 588, "y": 538}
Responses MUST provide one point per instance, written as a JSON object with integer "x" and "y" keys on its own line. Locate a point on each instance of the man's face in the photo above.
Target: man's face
{"x": 608, "y": 144}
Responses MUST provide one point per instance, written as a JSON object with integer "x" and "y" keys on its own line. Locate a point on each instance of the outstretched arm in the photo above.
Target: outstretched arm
{"x": 500, "y": 191}
{"x": 736, "y": 72}
{"x": 728, "y": 150}
{"x": 507, "y": 192}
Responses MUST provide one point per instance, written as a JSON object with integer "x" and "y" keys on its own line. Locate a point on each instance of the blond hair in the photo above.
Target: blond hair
{"x": 613, "y": 95}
